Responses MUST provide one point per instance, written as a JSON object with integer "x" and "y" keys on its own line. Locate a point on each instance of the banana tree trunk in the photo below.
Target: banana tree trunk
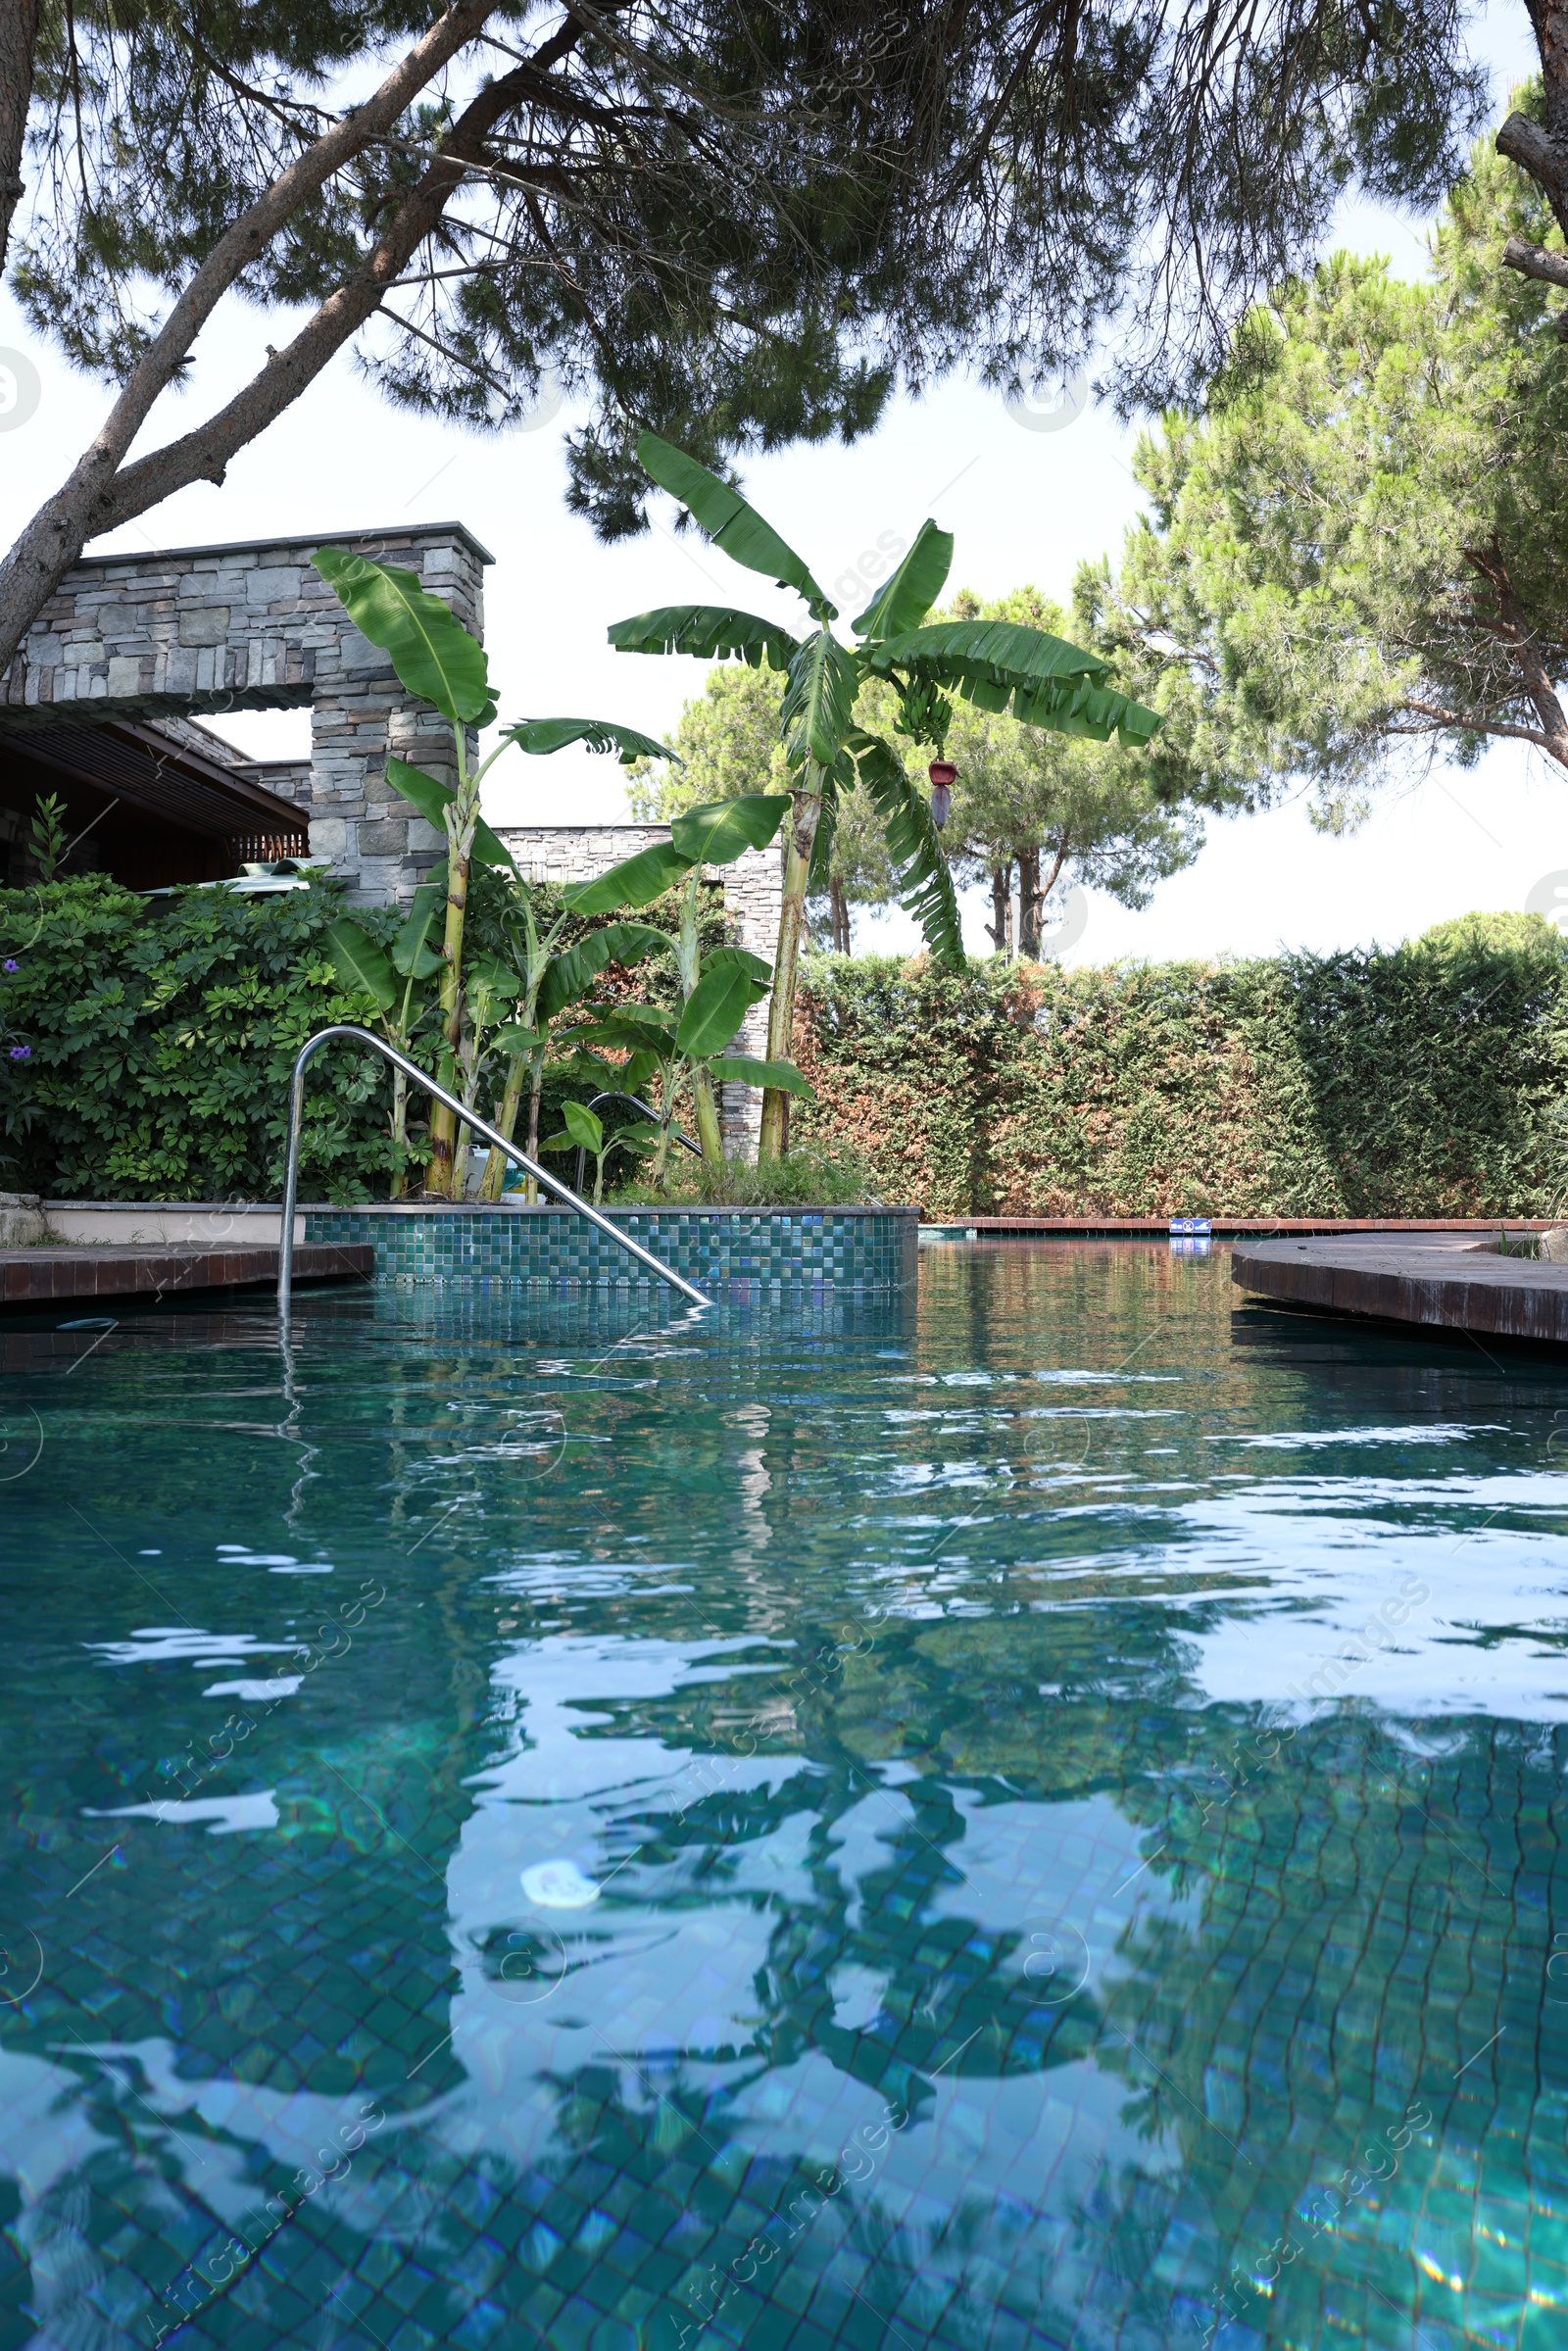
{"x": 495, "y": 1168}
{"x": 534, "y": 1092}
{"x": 462, "y": 817}
{"x": 786, "y": 963}
{"x": 709, "y": 1133}
{"x": 400, "y": 1126}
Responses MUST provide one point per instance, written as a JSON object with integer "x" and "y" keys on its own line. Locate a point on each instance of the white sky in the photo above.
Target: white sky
{"x": 1023, "y": 505}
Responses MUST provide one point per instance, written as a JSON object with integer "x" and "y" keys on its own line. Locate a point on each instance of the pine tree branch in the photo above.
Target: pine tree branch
{"x": 1534, "y": 261}
{"x": 1537, "y": 152}
{"x": 1533, "y": 672}
{"x": 89, "y": 501}
{"x": 1436, "y": 719}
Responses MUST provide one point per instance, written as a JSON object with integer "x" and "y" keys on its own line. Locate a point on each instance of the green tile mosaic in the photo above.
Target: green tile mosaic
{"x": 732, "y": 1252}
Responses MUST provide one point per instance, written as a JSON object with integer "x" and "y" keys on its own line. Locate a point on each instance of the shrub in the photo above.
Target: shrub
{"x": 1425, "y": 1082}
{"x": 161, "y": 1034}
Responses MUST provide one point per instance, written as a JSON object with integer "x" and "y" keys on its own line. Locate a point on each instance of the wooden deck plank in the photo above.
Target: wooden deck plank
{"x": 1433, "y": 1280}
{"x": 42, "y": 1276}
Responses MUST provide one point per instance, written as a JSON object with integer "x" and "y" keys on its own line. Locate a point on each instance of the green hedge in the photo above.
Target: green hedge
{"x": 1431, "y": 1081}
{"x": 159, "y": 1036}
{"x": 1426, "y": 1082}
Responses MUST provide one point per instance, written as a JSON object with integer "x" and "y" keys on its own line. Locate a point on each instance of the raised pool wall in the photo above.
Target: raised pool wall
{"x": 760, "y": 1250}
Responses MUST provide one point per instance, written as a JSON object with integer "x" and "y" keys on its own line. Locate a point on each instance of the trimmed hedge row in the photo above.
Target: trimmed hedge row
{"x": 1430, "y": 1081}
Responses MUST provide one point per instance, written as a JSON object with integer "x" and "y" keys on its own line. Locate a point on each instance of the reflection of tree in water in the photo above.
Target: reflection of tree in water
{"x": 1316, "y": 1950}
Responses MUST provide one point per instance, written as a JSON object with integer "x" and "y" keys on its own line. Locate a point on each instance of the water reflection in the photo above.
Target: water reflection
{"x": 848, "y": 1848}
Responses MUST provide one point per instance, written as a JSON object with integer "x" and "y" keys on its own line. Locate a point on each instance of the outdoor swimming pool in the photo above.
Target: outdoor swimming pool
{"x": 784, "y": 1829}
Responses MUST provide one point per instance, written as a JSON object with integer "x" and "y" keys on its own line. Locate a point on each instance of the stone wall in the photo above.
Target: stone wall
{"x": 197, "y": 631}
{"x": 753, "y": 893}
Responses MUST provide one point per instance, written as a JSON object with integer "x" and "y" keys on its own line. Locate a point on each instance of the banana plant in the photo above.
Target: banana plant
{"x": 439, "y": 661}
{"x": 489, "y": 988}
{"x": 550, "y": 984}
{"x": 585, "y": 1131}
{"x": 398, "y": 978}
{"x": 717, "y": 990}
{"x": 992, "y": 664}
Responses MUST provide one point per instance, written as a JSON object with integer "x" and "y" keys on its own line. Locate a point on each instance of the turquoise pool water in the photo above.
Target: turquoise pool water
{"x": 1026, "y": 1815}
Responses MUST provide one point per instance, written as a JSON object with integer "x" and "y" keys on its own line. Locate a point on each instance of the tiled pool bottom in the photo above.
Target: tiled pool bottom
{"x": 537, "y": 1829}
{"x": 728, "y": 1252}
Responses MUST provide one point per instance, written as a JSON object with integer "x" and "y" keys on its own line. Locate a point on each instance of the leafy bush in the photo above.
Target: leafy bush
{"x": 161, "y": 1034}
{"x": 1426, "y": 1082}
{"x": 823, "y": 1173}
{"x": 156, "y": 1037}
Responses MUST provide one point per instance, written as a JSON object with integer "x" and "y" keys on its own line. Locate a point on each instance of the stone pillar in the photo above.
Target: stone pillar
{"x": 753, "y": 893}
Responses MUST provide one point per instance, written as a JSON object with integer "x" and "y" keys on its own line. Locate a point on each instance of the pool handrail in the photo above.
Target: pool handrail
{"x": 498, "y": 1142}
{"x": 614, "y": 1095}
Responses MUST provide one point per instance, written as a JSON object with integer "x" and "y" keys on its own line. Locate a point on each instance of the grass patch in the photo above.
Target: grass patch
{"x": 825, "y": 1174}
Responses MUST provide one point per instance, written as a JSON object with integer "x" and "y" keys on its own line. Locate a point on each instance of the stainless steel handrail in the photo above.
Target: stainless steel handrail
{"x": 291, "y": 1177}
{"x": 637, "y": 1104}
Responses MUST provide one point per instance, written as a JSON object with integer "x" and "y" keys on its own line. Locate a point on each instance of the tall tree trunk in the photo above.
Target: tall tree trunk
{"x": 999, "y": 930}
{"x": 1029, "y": 902}
{"x": 840, "y": 916}
{"x": 773, "y": 1139}
{"x": 102, "y": 490}
{"x": 19, "y": 48}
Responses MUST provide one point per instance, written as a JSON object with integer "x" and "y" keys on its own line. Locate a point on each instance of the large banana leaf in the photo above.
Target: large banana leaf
{"x": 714, "y": 1009}
{"x": 431, "y": 650}
{"x": 840, "y": 777}
{"x": 725, "y": 829}
{"x": 628, "y": 1028}
{"x": 925, "y": 885}
{"x": 818, "y": 700}
{"x": 991, "y": 662}
{"x": 760, "y": 969}
{"x": 732, "y": 525}
{"x": 782, "y": 1076}
{"x": 711, "y": 631}
{"x": 914, "y": 587}
{"x": 634, "y": 882}
{"x": 410, "y": 953}
{"x": 569, "y": 975}
{"x": 361, "y": 962}
{"x": 432, "y": 798}
{"x": 539, "y": 737}
{"x": 1096, "y": 711}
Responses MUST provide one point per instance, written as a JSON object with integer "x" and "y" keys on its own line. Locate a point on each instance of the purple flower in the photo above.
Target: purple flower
{"x": 22, "y": 1053}
{"x": 11, "y": 964}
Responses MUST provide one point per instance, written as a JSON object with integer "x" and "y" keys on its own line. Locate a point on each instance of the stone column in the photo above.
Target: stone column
{"x": 753, "y": 893}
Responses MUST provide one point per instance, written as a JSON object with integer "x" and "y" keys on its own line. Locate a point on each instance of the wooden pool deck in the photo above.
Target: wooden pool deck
{"x": 1435, "y": 1281}
{"x": 41, "y": 1275}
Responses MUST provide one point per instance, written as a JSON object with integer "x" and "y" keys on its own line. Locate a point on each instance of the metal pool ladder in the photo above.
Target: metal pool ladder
{"x": 291, "y": 1180}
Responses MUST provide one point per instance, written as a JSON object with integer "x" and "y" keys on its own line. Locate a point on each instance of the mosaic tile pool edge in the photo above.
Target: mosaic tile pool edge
{"x": 723, "y": 1250}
